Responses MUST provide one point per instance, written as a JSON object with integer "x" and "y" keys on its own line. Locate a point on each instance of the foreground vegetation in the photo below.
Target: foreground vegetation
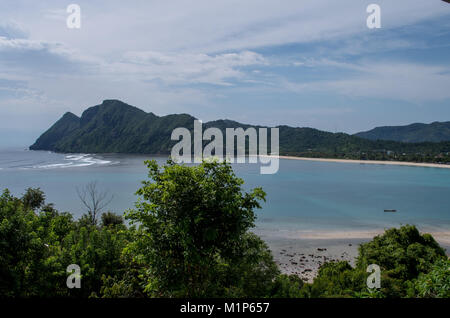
{"x": 189, "y": 237}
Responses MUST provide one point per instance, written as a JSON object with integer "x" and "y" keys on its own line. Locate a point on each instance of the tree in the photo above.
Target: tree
{"x": 402, "y": 255}
{"x": 29, "y": 243}
{"x": 33, "y": 198}
{"x": 337, "y": 279}
{"x": 252, "y": 270}
{"x": 193, "y": 223}
{"x": 111, "y": 219}
{"x": 288, "y": 286}
{"x": 19, "y": 245}
{"x": 94, "y": 200}
{"x": 436, "y": 283}
{"x": 98, "y": 252}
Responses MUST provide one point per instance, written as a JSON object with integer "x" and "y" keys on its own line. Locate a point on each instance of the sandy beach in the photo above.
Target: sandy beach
{"x": 303, "y": 252}
{"x": 372, "y": 162}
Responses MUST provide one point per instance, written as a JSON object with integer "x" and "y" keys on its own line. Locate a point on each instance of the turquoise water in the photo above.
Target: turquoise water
{"x": 303, "y": 195}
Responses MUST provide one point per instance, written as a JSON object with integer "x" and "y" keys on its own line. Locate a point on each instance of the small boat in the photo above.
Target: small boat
{"x": 390, "y": 210}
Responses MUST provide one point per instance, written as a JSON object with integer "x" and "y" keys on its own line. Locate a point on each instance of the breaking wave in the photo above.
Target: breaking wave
{"x": 73, "y": 161}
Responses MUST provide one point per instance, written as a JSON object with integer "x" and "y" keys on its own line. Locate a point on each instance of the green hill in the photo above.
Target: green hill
{"x": 116, "y": 127}
{"x": 111, "y": 127}
{"x": 434, "y": 132}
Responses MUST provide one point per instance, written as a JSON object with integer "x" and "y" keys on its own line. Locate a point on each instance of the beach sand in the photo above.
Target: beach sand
{"x": 303, "y": 252}
{"x": 372, "y": 162}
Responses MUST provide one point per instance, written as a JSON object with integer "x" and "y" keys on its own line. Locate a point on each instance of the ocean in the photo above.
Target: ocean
{"x": 302, "y": 196}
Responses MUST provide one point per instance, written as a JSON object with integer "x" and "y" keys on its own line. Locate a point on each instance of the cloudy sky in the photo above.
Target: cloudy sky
{"x": 302, "y": 63}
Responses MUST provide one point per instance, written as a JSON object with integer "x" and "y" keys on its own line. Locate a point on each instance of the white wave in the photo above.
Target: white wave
{"x": 88, "y": 161}
{"x": 78, "y": 160}
{"x": 75, "y": 157}
{"x": 54, "y": 165}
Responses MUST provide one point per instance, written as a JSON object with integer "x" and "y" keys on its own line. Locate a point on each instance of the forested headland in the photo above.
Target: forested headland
{"x": 116, "y": 127}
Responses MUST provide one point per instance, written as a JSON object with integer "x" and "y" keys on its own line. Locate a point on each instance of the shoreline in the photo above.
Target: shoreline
{"x": 355, "y": 161}
{"x": 303, "y": 252}
{"x": 372, "y": 162}
{"x": 442, "y": 237}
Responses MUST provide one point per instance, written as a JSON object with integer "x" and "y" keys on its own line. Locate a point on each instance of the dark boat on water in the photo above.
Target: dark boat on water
{"x": 390, "y": 210}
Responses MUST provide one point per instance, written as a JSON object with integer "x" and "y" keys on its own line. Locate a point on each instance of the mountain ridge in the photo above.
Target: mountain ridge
{"x": 416, "y": 132}
{"x": 116, "y": 127}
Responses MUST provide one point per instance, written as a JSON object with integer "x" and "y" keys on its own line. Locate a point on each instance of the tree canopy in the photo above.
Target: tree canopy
{"x": 196, "y": 219}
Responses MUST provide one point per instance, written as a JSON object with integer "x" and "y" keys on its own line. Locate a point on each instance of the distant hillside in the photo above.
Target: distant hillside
{"x": 434, "y": 132}
{"x": 116, "y": 127}
{"x": 111, "y": 127}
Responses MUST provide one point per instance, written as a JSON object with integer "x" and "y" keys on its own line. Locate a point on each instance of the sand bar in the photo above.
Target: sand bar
{"x": 372, "y": 162}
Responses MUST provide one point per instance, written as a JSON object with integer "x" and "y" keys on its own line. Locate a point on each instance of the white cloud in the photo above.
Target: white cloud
{"x": 150, "y": 53}
{"x": 11, "y": 29}
{"x": 187, "y": 68}
{"x": 212, "y": 26}
{"x": 21, "y": 44}
{"x": 404, "y": 81}
{"x": 410, "y": 82}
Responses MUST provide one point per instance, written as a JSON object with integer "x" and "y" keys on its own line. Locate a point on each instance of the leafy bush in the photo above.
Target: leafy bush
{"x": 192, "y": 236}
{"x": 288, "y": 286}
{"x": 337, "y": 279}
{"x": 111, "y": 219}
{"x": 402, "y": 255}
{"x": 36, "y": 246}
{"x": 436, "y": 283}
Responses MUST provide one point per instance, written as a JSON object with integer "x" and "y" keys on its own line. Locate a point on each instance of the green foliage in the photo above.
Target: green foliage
{"x": 111, "y": 219}
{"x": 33, "y": 198}
{"x": 370, "y": 293}
{"x": 288, "y": 286}
{"x": 402, "y": 255}
{"x": 66, "y": 125}
{"x": 98, "y": 253}
{"x": 193, "y": 225}
{"x": 36, "y": 248}
{"x": 436, "y": 283}
{"x": 337, "y": 279}
{"x": 20, "y": 246}
{"x": 251, "y": 271}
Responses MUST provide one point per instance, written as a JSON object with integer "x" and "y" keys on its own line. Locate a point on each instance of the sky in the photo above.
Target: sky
{"x": 310, "y": 63}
